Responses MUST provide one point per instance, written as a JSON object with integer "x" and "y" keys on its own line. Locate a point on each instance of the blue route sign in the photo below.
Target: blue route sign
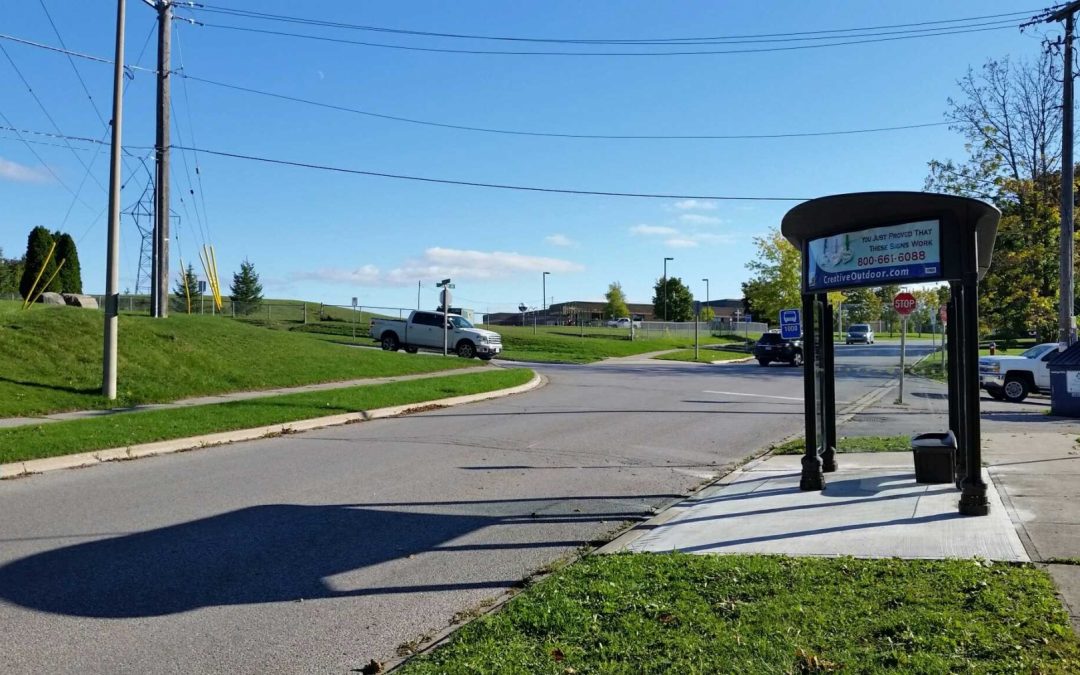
{"x": 790, "y": 324}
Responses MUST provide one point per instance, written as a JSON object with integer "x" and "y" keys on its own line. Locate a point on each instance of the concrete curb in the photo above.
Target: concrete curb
{"x": 82, "y": 459}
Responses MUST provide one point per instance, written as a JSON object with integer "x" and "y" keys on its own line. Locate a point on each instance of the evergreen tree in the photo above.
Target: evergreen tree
{"x": 616, "y": 302}
{"x": 246, "y": 291}
{"x": 37, "y": 247}
{"x": 187, "y": 287}
{"x": 70, "y": 276}
{"x": 678, "y": 301}
{"x": 11, "y": 270}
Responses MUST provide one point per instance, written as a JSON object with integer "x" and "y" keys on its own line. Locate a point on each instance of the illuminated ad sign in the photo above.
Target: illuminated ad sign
{"x": 879, "y": 256}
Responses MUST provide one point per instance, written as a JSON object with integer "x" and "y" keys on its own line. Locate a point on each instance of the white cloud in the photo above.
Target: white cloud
{"x": 362, "y": 276}
{"x": 559, "y": 240}
{"x": 698, "y": 219}
{"x": 20, "y": 173}
{"x": 695, "y": 205}
{"x": 647, "y": 230}
{"x": 437, "y": 262}
{"x": 681, "y": 242}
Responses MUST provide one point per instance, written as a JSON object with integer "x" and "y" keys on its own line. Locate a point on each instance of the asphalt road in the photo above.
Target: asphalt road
{"x": 318, "y": 552}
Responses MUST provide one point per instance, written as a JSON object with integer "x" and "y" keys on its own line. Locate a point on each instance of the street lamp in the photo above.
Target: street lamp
{"x": 543, "y": 298}
{"x": 665, "y": 287}
{"x": 706, "y": 292}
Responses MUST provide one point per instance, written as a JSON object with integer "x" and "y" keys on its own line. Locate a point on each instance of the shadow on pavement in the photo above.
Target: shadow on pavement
{"x": 261, "y": 554}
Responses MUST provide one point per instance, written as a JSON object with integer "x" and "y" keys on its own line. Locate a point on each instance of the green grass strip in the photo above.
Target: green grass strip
{"x": 851, "y": 444}
{"x": 124, "y": 429}
{"x": 677, "y": 613}
{"x": 704, "y": 355}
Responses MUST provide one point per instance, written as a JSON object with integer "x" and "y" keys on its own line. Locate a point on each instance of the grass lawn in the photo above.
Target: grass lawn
{"x": 704, "y": 355}
{"x": 50, "y": 359}
{"x": 565, "y": 343}
{"x": 124, "y": 429}
{"x": 853, "y": 444}
{"x": 932, "y": 368}
{"x": 678, "y": 613}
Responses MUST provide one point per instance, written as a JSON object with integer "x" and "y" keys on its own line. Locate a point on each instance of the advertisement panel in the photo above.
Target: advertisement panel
{"x": 879, "y": 256}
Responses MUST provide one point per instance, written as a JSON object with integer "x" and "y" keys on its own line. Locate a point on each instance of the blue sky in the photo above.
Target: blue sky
{"x": 328, "y": 236}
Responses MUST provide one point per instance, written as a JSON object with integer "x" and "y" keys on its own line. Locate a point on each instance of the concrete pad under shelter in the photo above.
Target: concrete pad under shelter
{"x": 871, "y": 508}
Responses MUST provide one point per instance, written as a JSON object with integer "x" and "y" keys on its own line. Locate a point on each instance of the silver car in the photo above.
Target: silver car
{"x": 860, "y": 333}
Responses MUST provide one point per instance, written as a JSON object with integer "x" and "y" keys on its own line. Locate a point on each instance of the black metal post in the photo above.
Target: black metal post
{"x": 828, "y": 387}
{"x": 973, "y": 501}
{"x": 812, "y": 476}
{"x": 954, "y": 356}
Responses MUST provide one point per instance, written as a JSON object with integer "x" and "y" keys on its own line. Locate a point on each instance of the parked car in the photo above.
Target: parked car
{"x": 1012, "y": 378}
{"x": 425, "y": 330}
{"x": 622, "y": 323}
{"x": 860, "y": 333}
{"x": 772, "y": 347}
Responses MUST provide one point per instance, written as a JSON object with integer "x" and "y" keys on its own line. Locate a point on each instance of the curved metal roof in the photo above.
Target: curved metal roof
{"x": 837, "y": 214}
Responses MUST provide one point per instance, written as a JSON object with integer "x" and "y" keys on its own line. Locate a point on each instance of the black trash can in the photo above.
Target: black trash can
{"x": 934, "y": 456}
{"x": 1065, "y": 382}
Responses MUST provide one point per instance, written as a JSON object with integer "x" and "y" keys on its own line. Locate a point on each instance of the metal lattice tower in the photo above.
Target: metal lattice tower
{"x": 142, "y": 214}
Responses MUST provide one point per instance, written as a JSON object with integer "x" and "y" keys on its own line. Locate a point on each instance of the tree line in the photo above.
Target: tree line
{"x": 1009, "y": 113}
{"x": 17, "y": 275}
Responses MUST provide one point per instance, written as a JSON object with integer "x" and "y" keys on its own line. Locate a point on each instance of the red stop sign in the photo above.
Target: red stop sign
{"x": 904, "y": 303}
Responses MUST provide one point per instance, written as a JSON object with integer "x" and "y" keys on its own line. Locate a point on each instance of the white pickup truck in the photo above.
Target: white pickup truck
{"x": 425, "y": 330}
{"x": 1012, "y": 378}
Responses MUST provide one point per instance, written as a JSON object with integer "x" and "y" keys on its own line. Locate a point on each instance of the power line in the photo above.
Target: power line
{"x": 47, "y": 115}
{"x": 202, "y": 7}
{"x": 496, "y": 186}
{"x": 447, "y": 50}
{"x": 194, "y": 142}
{"x": 519, "y": 132}
{"x": 59, "y": 50}
{"x": 42, "y": 161}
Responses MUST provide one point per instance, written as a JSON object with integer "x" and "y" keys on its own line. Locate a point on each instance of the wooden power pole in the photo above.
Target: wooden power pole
{"x": 159, "y": 294}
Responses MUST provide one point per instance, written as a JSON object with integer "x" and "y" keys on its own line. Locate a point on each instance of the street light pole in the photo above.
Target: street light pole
{"x": 665, "y": 286}
{"x": 543, "y": 298}
{"x": 706, "y": 292}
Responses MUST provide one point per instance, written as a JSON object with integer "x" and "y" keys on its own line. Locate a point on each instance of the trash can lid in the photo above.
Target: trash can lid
{"x": 1068, "y": 359}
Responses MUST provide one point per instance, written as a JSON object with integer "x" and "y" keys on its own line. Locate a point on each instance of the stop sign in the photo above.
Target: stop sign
{"x": 904, "y": 303}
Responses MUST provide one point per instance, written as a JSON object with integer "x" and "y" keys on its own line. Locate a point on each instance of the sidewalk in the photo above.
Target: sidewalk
{"x": 872, "y": 506}
{"x": 10, "y": 422}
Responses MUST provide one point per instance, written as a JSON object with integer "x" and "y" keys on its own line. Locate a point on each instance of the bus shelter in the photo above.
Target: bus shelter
{"x": 893, "y": 238}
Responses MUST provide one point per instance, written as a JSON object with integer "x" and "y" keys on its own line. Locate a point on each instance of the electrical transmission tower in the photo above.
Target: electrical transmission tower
{"x": 142, "y": 214}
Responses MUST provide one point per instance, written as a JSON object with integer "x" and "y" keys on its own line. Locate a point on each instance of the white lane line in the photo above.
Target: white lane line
{"x": 735, "y": 393}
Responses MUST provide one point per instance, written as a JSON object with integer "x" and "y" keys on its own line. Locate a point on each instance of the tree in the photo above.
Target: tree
{"x": 679, "y": 303}
{"x": 70, "y": 276}
{"x": 11, "y": 271}
{"x": 246, "y": 289}
{"x": 886, "y": 294}
{"x": 1010, "y": 116}
{"x": 861, "y": 305}
{"x": 707, "y": 313}
{"x": 777, "y": 280}
{"x": 616, "y": 302}
{"x": 37, "y": 248}
{"x": 187, "y": 286}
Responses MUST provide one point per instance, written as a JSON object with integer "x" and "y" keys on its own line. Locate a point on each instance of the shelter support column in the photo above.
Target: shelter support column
{"x": 973, "y": 501}
{"x": 954, "y": 370}
{"x": 812, "y": 476}
{"x": 828, "y": 386}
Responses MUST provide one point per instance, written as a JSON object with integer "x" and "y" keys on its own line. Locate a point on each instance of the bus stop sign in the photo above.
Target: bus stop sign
{"x": 790, "y": 324}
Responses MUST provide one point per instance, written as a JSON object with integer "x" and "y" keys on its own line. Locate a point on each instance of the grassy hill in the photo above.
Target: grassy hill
{"x": 50, "y": 359}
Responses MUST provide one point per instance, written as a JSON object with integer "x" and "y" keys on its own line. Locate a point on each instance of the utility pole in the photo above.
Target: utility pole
{"x": 159, "y": 297}
{"x": 1066, "y": 319}
{"x": 665, "y": 286}
{"x": 418, "y": 294}
{"x": 112, "y": 255}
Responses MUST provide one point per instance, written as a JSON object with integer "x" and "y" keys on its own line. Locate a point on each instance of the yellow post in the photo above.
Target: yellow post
{"x": 46, "y": 284}
{"x": 33, "y": 287}
{"x": 217, "y": 283}
{"x": 184, "y": 281}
